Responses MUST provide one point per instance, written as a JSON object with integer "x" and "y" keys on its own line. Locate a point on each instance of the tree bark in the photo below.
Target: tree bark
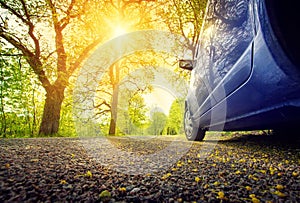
{"x": 52, "y": 107}
{"x": 114, "y": 110}
{"x": 115, "y": 78}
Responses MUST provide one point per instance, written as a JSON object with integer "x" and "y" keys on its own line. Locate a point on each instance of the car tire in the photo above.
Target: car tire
{"x": 192, "y": 133}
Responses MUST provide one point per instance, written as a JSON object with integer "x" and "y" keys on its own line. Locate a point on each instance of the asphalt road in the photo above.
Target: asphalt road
{"x": 247, "y": 168}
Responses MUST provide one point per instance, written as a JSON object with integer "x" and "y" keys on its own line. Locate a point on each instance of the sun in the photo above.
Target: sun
{"x": 119, "y": 30}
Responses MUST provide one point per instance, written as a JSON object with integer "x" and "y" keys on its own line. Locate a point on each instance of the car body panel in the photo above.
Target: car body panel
{"x": 260, "y": 90}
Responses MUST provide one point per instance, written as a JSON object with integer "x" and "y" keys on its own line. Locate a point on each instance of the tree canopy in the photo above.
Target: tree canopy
{"x": 45, "y": 42}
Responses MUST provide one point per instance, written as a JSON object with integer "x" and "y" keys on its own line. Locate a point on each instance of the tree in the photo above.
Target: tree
{"x": 18, "y": 96}
{"x": 175, "y": 118}
{"x": 185, "y": 18}
{"x": 39, "y": 30}
{"x": 55, "y": 36}
{"x": 133, "y": 117}
{"x": 124, "y": 75}
{"x": 139, "y": 14}
{"x": 158, "y": 122}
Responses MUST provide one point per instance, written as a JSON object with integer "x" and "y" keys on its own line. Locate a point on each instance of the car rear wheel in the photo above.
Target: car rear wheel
{"x": 192, "y": 133}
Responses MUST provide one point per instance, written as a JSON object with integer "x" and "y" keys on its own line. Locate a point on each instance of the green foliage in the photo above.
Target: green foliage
{"x": 67, "y": 125}
{"x": 174, "y": 125}
{"x": 158, "y": 122}
{"x": 132, "y": 118}
{"x": 20, "y": 97}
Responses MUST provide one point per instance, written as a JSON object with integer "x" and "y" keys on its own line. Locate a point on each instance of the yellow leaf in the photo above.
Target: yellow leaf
{"x": 7, "y": 165}
{"x": 216, "y": 183}
{"x": 252, "y": 196}
{"x": 248, "y": 188}
{"x": 189, "y": 161}
{"x": 195, "y": 170}
{"x": 89, "y": 174}
{"x": 255, "y": 200}
{"x": 221, "y": 195}
{"x": 122, "y": 189}
{"x": 263, "y": 171}
{"x": 63, "y": 182}
{"x": 279, "y": 187}
{"x": 279, "y": 194}
{"x": 295, "y": 174}
{"x": 174, "y": 169}
{"x": 238, "y": 172}
{"x": 197, "y": 179}
{"x": 164, "y": 177}
{"x": 253, "y": 177}
{"x": 272, "y": 170}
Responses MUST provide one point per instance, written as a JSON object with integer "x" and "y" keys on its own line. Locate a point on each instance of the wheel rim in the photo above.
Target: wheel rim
{"x": 188, "y": 124}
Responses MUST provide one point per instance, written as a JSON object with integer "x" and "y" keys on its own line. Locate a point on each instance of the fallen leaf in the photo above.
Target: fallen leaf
{"x": 279, "y": 194}
{"x": 238, "y": 172}
{"x": 295, "y": 174}
{"x": 122, "y": 189}
{"x": 255, "y": 200}
{"x": 63, "y": 182}
{"x": 279, "y": 187}
{"x": 248, "y": 188}
{"x": 221, "y": 195}
{"x": 89, "y": 174}
{"x": 105, "y": 194}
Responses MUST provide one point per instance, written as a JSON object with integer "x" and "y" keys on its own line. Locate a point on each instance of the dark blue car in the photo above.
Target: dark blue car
{"x": 246, "y": 72}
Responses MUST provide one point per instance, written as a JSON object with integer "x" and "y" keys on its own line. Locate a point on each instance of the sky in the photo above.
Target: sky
{"x": 159, "y": 98}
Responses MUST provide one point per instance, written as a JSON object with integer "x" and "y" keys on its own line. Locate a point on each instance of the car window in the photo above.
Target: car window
{"x": 226, "y": 33}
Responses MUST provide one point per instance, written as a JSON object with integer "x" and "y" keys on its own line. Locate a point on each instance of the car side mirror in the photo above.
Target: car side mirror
{"x": 187, "y": 64}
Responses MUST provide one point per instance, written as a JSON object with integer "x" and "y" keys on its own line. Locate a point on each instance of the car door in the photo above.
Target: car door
{"x": 224, "y": 58}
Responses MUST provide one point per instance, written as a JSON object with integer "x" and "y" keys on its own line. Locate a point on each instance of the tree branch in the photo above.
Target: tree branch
{"x": 31, "y": 31}
{"x": 83, "y": 55}
{"x": 33, "y": 61}
{"x": 14, "y": 12}
{"x": 104, "y": 103}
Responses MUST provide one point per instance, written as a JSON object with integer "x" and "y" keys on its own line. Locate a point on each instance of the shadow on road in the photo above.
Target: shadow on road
{"x": 261, "y": 140}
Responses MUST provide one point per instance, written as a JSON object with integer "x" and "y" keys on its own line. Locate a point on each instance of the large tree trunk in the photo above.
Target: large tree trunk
{"x": 114, "y": 78}
{"x": 51, "y": 115}
{"x": 114, "y": 110}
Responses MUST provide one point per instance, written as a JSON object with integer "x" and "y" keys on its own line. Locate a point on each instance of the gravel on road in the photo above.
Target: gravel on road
{"x": 248, "y": 168}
